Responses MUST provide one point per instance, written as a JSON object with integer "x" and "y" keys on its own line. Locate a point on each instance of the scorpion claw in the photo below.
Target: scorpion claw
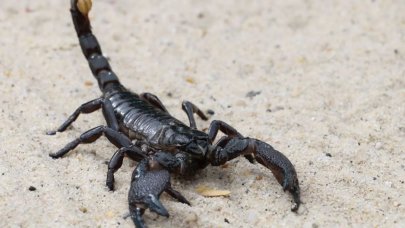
{"x": 177, "y": 195}
{"x": 282, "y": 169}
{"x": 146, "y": 187}
{"x": 155, "y": 205}
{"x": 136, "y": 216}
{"x": 290, "y": 184}
{"x": 228, "y": 148}
{"x": 152, "y": 202}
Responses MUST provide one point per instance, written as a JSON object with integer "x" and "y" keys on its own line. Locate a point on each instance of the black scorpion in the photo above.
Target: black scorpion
{"x": 141, "y": 128}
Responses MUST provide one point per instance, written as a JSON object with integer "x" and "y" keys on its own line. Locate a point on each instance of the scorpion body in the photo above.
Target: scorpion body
{"x": 141, "y": 128}
{"x": 154, "y": 126}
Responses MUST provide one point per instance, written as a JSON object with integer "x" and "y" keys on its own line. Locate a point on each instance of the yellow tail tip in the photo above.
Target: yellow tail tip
{"x": 84, "y": 6}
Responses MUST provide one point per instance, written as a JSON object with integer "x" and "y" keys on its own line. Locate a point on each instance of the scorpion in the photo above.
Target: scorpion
{"x": 142, "y": 129}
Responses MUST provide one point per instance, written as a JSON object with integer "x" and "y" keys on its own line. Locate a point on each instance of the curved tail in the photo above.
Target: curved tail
{"x": 91, "y": 48}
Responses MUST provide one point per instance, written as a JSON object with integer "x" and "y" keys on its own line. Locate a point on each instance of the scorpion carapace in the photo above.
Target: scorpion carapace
{"x": 141, "y": 128}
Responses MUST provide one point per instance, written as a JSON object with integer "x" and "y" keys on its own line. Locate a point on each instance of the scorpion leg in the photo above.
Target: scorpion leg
{"x": 190, "y": 109}
{"x": 115, "y": 137}
{"x": 227, "y": 129}
{"x": 109, "y": 115}
{"x": 116, "y": 162}
{"x": 147, "y": 184}
{"x": 218, "y": 125}
{"x": 90, "y": 107}
{"x": 153, "y": 100}
{"x": 177, "y": 195}
{"x": 230, "y": 147}
{"x": 86, "y": 108}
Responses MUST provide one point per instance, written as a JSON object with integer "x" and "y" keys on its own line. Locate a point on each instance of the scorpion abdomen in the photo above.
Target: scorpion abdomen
{"x": 140, "y": 120}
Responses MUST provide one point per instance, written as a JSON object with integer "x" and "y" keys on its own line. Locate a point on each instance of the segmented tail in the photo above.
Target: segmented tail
{"x": 91, "y": 48}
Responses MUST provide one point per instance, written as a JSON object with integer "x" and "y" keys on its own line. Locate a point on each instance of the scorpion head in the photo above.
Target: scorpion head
{"x": 196, "y": 146}
{"x": 190, "y": 141}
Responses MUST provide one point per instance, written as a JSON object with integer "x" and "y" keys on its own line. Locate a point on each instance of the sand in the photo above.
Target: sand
{"x": 323, "y": 82}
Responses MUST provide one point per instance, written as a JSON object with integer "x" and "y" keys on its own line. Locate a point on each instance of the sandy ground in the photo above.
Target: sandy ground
{"x": 330, "y": 83}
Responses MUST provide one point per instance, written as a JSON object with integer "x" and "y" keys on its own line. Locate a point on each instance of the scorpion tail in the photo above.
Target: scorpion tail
{"x": 91, "y": 48}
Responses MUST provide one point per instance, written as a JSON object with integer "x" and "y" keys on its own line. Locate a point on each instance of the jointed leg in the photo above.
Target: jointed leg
{"x": 153, "y": 100}
{"x": 116, "y": 162}
{"x": 111, "y": 132}
{"x": 218, "y": 125}
{"x": 115, "y": 137}
{"x": 190, "y": 109}
{"x": 88, "y": 107}
{"x": 108, "y": 112}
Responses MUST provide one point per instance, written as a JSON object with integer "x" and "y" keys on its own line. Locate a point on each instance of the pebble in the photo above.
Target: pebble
{"x": 109, "y": 214}
{"x": 191, "y": 218}
{"x": 396, "y": 204}
{"x": 83, "y": 209}
{"x": 252, "y": 216}
{"x": 252, "y": 94}
{"x": 259, "y": 177}
{"x": 378, "y": 145}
